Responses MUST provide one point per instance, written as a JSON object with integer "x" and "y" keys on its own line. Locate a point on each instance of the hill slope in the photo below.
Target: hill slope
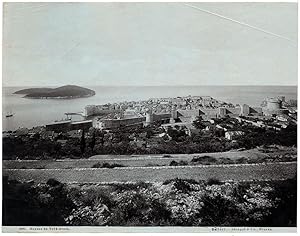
{"x": 33, "y": 90}
{"x": 68, "y": 91}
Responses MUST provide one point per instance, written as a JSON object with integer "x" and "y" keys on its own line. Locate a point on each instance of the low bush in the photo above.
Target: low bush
{"x": 136, "y": 209}
{"x": 241, "y": 160}
{"x": 213, "y": 181}
{"x": 219, "y": 211}
{"x": 94, "y": 196}
{"x": 106, "y": 165}
{"x": 180, "y": 163}
{"x": 131, "y": 186}
{"x": 204, "y": 159}
{"x": 190, "y": 181}
{"x": 151, "y": 164}
{"x": 225, "y": 160}
{"x": 41, "y": 167}
{"x": 53, "y": 182}
{"x": 167, "y": 156}
{"x": 27, "y": 204}
{"x": 182, "y": 185}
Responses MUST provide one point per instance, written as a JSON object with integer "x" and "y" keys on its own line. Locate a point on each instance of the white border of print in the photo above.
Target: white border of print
{"x": 143, "y": 230}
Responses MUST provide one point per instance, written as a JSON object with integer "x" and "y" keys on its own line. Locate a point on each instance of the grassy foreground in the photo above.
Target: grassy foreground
{"x": 242, "y": 172}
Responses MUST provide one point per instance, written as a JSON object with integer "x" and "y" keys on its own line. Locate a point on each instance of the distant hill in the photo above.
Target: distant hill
{"x": 33, "y": 90}
{"x": 68, "y": 91}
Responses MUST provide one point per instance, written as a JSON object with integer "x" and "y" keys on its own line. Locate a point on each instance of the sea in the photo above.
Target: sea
{"x": 35, "y": 112}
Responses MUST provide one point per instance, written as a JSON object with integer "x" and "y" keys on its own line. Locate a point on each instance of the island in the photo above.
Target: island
{"x": 63, "y": 92}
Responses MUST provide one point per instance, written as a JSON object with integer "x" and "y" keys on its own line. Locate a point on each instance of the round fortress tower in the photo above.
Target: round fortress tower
{"x": 174, "y": 112}
{"x": 149, "y": 117}
{"x": 273, "y": 104}
{"x": 222, "y": 112}
{"x": 281, "y": 98}
{"x": 245, "y": 110}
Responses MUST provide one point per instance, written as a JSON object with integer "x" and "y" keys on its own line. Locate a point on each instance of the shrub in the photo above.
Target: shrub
{"x": 173, "y": 163}
{"x": 41, "y": 167}
{"x": 93, "y": 196}
{"x": 241, "y": 160}
{"x": 225, "y": 160}
{"x": 219, "y": 211}
{"x": 182, "y": 185}
{"x": 204, "y": 159}
{"x": 106, "y": 165}
{"x": 40, "y": 205}
{"x": 152, "y": 164}
{"x": 213, "y": 181}
{"x": 190, "y": 181}
{"x": 285, "y": 213}
{"x": 180, "y": 163}
{"x": 131, "y": 186}
{"x": 135, "y": 209}
{"x": 97, "y": 165}
{"x": 53, "y": 182}
{"x": 167, "y": 156}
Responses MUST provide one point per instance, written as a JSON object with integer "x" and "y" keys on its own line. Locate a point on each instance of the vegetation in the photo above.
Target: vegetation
{"x": 176, "y": 202}
{"x": 82, "y": 142}
{"x": 198, "y": 123}
{"x": 204, "y": 159}
{"x": 144, "y": 141}
{"x": 28, "y": 204}
{"x": 106, "y": 165}
{"x": 213, "y": 181}
{"x": 68, "y": 91}
{"x": 180, "y": 163}
{"x": 259, "y": 136}
{"x": 33, "y": 90}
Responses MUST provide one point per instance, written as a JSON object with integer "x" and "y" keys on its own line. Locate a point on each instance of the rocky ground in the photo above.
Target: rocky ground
{"x": 176, "y": 202}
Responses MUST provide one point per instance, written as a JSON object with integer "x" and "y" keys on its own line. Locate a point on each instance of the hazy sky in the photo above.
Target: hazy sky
{"x": 148, "y": 44}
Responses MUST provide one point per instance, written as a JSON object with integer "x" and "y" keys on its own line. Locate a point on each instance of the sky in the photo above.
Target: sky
{"x": 148, "y": 44}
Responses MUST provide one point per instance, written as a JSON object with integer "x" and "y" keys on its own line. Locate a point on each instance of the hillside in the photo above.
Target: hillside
{"x": 68, "y": 91}
{"x": 33, "y": 90}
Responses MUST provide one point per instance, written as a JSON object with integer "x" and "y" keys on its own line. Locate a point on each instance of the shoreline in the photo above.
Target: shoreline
{"x": 62, "y": 98}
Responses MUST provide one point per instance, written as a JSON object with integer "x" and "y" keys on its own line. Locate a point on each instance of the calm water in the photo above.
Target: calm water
{"x": 34, "y": 112}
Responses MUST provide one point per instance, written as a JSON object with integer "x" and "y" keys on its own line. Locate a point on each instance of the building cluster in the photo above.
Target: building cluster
{"x": 68, "y": 125}
{"x": 179, "y": 112}
{"x": 164, "y": 110}
{"x": 275, "y": 106}
{"x": 92, "y": 110}
{"x": 156, "y": 105}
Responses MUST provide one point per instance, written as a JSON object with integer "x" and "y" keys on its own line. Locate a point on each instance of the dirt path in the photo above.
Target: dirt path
{"x": 236, "y": 172}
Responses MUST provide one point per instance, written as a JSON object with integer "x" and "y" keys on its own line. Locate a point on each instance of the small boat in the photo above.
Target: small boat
{"x": 67, "y": 119}
{"x": 9, "y": 115}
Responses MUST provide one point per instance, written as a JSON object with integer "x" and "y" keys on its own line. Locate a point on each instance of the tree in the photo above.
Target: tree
{"x": 198, "y": 123}
{"x": 219, "y": 132}
{"x": 82, "y": 142}
{"x": 176, "y": 134}
{"x": 93, "y": 141}
{"x": 149, "y": 133}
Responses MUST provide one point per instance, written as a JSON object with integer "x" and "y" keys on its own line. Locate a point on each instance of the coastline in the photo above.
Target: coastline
{"x": 65, "y": 97}
{"x": 39, "y": 111}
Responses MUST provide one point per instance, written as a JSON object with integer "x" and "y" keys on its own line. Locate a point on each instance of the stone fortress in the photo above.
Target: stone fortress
{"x": 171, "y": 110}
{"x": 180, "y": 111}
{"x": 274, "y": 106}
